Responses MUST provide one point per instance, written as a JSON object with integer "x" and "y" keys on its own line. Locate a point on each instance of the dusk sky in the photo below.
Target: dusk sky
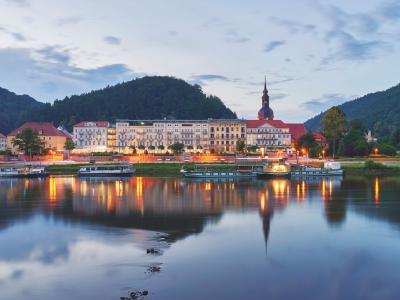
{"x": 315, "y": 54}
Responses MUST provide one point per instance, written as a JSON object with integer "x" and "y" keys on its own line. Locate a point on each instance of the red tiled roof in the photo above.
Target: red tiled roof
{"x": 43, "y": 128}
{"x": 258, "y": 123}
{"x": 98, "y": 123}
{"x": 319, "y": 137}
{"x": 296, "y": 130}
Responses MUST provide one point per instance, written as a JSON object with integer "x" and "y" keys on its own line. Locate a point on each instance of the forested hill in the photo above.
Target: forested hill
{"x": 144, "y": 98}
{"x": 379, "y": 111}
{"x": 14, "y": 109}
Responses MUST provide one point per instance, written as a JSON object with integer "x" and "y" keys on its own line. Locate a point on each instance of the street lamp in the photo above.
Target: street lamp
{"x": 376, "y": 151}
{"x": 323, "y": 154}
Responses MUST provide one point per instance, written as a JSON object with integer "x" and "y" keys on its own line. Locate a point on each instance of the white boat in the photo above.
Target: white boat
{"x": 23, "y": 172}
{"x": 330, "y": 168}
{"x": 107, "y": 170}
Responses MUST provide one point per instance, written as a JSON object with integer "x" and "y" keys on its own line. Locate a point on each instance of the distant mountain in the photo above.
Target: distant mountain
{"x": 144, "y": 98}
{"x": 14, "y": 109}
{"x": 379, "y": 111}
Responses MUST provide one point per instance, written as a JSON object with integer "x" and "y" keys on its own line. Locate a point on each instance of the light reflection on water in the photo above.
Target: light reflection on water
{"x": 70, "y": 238}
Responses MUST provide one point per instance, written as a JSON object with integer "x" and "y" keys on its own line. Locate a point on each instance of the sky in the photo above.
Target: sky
{"x": 314, "y": 53}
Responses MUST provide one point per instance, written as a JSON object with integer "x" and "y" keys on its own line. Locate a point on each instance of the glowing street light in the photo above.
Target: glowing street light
{"x": 376, "y": 151}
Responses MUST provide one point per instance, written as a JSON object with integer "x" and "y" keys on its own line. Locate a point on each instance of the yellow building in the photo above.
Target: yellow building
{"x": 53, "y": 138}
{"x": 225, "y": 134}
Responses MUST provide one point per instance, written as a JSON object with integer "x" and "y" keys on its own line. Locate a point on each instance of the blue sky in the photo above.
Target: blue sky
{"x": 315, "y": 54}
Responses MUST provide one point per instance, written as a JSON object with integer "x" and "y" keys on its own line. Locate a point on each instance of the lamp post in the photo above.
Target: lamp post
{"x": 323, "y": 154}
{"x": 376, "y": 151}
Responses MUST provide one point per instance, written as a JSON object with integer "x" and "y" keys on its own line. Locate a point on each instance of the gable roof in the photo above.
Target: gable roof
{"x": 43, "y": 128}
{"x": 296, "y": 130}
{"x": 2, "y": 136}
{"x": 97, "y": 124}
{"x": 319, "y": 137}
{"x": 258, "y": 123}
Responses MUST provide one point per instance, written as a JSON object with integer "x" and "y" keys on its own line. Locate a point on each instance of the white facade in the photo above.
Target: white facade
{"x": 3, "y": 142}
{"x": 269, "y": 136}
{"x": 136, "y": 133}
{"x": 91, "y": 136}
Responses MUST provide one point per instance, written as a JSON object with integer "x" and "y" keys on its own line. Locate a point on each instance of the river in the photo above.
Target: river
{"x": 70, "y": 238}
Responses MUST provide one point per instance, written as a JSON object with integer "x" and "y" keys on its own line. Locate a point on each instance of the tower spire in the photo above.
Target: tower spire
{"x": 265, "y": 84}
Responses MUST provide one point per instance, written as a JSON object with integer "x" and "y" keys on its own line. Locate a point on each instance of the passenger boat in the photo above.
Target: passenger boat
{"x": 330, "y": 169}
{"x": 209, "y": 171}
{"x": 107, "y": 170}
{"x": 23, "y": 172}
{"x": 274, "y": 169}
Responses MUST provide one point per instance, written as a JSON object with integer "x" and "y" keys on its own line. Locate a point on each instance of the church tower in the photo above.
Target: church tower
{"x": 265, "y": 113}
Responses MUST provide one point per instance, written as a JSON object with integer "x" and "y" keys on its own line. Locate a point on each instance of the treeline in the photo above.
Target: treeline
{"x": 379, "y": 112}
{"x": 144, "y": 98}
{"x": 349, "y": 138}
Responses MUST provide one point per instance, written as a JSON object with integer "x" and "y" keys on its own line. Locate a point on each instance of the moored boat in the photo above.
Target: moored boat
{"x": 23, "y": 172}
{"x": 107, "y": 170}
{"x": 210, "y": 171}
{"x": 274, "y": 169}
{"x": 330, "y": 168}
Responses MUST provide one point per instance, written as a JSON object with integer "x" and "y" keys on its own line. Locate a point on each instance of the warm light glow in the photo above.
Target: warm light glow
{"x": 377, "y": 194}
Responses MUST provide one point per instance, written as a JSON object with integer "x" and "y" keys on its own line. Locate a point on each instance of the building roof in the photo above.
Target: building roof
{"x": 258, "y": 123}
{"x": 296, "y": 130}
{"x": 43, "y": 128}
{"x": 2, "y": 136}
{"x": 319, "y": 137}
{"x": 98, "y": 124}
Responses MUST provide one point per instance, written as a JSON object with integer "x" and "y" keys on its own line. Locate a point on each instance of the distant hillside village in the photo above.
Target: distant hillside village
{"x": 157, "y": 136}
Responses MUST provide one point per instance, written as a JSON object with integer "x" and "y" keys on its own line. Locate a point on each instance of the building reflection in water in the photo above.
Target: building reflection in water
{"x": 179, "y": 205}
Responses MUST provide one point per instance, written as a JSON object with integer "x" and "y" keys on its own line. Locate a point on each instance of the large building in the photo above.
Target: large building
{"x": 3, "y": 142}
{"x": 161, "y": 134}
{"x": 268, "y": 133}
{"x": 91, "y": 136}
{"x": 225, "y": 134}
{"x": 52, "y": 138}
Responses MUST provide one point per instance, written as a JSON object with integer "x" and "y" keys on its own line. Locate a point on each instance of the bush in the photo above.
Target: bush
{"x": 371, "y": 165}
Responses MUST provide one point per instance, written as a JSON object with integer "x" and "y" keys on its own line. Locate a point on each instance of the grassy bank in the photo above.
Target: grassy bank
{"x": 371, "y": 168}
{"x": 144, "y": 169}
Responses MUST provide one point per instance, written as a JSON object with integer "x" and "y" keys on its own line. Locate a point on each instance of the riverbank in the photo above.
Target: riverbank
{"x": 372, "y": 168}
{"x": 147, "y": 169}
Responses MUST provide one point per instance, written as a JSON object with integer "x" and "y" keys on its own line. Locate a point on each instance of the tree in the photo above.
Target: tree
{"x": 161, "y": 147}
{"x": 190, "y": 147}
{"x": 252, "y": 148}
{"x": 29, "y": 142}
{"x": 240, "y": 146}
{"x": 152, "y": 148}
{"x": 141, "y": 147}
{"x": 354, "y": 143}
{"x": 308, "y": 142}
{"x": 334, "y": 126}
{"x": 176, "y": 148}
{"x": 69, "y": 145}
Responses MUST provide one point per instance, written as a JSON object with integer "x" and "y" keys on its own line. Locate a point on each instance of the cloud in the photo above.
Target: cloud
{"x": 15, "y": 35}
{"x": 351, "y": 48}
{"x": 20, "y": 2}
{"x": 202, "y": 79}
{"x": 68, "y": 20}
{"x": 391, "y": 10}
{"x": 232, "y": 36}
{"x": 293, "y": 27}
{"x": 325, "y": 102}
{"x": 271, "y": 46}
{"x": 112, "y": 40}
{"x": 55, "y": 54}
{"x": 51, "y": 75}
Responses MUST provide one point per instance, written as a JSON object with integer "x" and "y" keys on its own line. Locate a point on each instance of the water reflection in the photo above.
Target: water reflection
{"x": 41, "y": 223}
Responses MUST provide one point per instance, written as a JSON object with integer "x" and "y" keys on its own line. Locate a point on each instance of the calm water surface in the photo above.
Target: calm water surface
{"x": 69, "y": 238}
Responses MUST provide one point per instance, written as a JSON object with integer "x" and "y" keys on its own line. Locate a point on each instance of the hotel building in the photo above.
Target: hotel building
{"x": 225, "y": 134}
{"x": 52, "y": 138}
{"x": 135, "y": 133}
{"x": 91, "y": 136}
